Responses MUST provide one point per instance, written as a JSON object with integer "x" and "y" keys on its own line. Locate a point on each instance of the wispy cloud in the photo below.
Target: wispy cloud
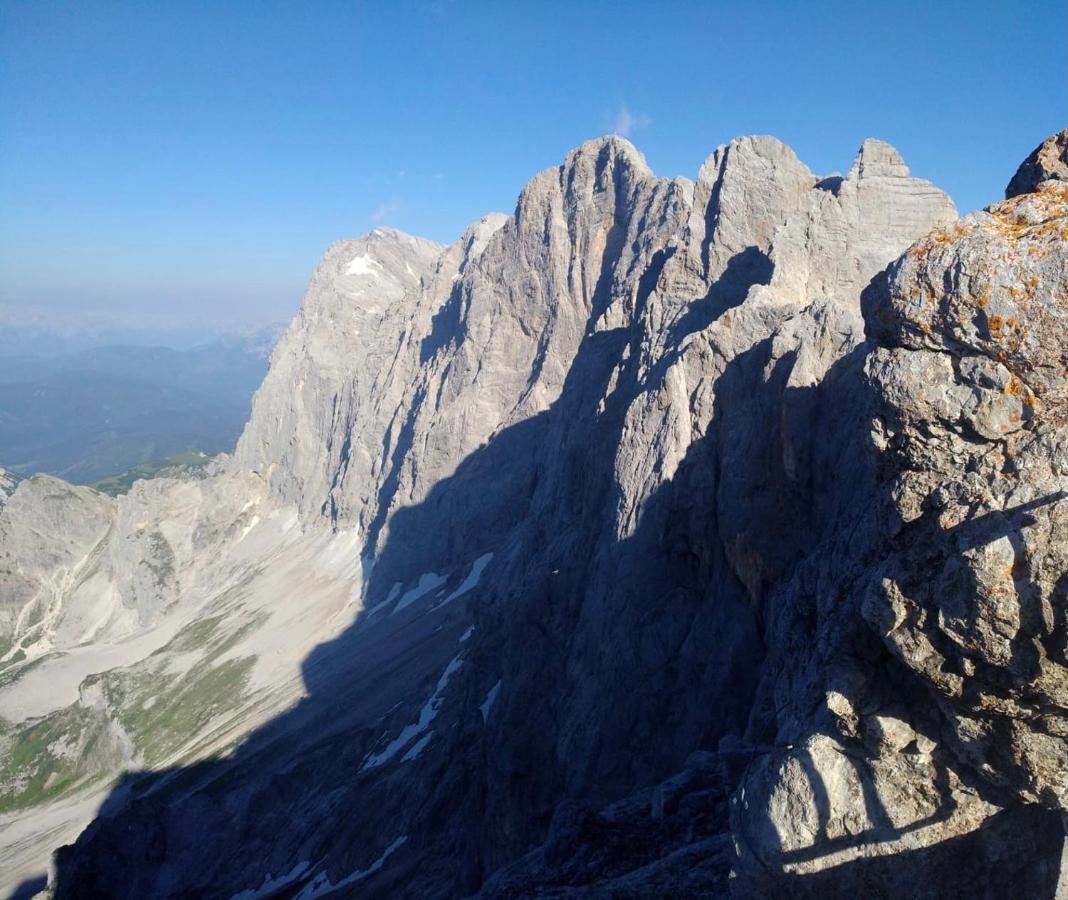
{"x": 626, "y": 121}
{"x": 387, "y": 209}
{"x": 438, "y": 8}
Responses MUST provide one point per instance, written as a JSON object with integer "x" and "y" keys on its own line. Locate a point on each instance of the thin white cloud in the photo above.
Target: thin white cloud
{"x": 438, "y": 8}
{"x": 627, "y": 121}
{"x": 385, "y": 210}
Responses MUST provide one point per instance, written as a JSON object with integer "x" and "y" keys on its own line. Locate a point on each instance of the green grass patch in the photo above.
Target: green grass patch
{"x": 192, "y": 462}
{"x": 44, "y": 759}
{"x": 160, "y": 559}
{"x": 161, "y": 717}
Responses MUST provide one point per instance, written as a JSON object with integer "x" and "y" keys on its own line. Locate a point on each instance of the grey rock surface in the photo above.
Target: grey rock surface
{"x": 1047, "y": 162}
{"x": 915, "y": 765}
{"x": 974, "y": 405}
{"x": 652, "y": 541}
{"x": 8, "y": 480}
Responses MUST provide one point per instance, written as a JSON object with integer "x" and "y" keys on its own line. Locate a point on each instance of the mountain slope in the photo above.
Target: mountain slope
{"x": 584, "y": 518}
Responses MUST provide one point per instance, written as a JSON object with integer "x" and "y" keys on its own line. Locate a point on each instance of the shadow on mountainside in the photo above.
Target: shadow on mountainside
{"x": 278, "y": 796}
{"x": 610, "y": 657}
{"x": 31, "y": 887}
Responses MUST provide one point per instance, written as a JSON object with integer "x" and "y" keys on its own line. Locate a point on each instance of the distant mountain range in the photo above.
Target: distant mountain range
{"x": 98, "y": 412}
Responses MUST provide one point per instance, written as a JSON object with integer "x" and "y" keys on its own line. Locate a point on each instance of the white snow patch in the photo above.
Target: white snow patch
{"x": 390, "y": 597}
{"x": 272, "y": 884}
{"x": 471, "y": 581}
{"x": 491, "y": 698}
{"x": 427, "y": 714}
{"x": 470, "y": 631}
{"x": 363, "y": 265}
{"x": 320, "y": 885}
{"x": 427, "y": 583}
{"x": 252, "y": 524}
{"x": 418, "y": 747}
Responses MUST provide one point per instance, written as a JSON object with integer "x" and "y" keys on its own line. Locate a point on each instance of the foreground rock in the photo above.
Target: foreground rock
{"x": 934, "y": 759}
{"x": 975, "y": 409}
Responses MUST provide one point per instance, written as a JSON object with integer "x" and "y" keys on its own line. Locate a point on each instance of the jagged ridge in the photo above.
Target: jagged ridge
{"x": 629, "y": 425}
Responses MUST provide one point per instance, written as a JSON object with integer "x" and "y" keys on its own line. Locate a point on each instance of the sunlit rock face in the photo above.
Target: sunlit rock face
{"x": 657, "y": 540}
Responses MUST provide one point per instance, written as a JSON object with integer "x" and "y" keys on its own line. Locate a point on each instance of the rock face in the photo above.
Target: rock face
{"x": 1047, "y": 162}
{"x": 943, "y": 744}
{"x": 973, "y": 391}
{"x": 654, "y": 541}
{"x": 331, "y": 373}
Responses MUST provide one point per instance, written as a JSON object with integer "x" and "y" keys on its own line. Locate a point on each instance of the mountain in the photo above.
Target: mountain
{"x": 47, "y": 332}
{"x": 99, "y": 412}
{"x": 665, "y": 538}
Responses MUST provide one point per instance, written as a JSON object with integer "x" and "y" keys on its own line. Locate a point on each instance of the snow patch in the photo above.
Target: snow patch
{"x": 427, "y": 714}
{"x": 252, "y": 524}
{"x": 471, "y": 581}
{"x": 320, "y": 885}
{"x": 427, "y": 583}
{"x": 363, "y": 265}
{"x": 418, "y": 747}
{"x": 390, "y": 597}
{"x": 491, "y": 698}
{"x": 470, "y": 631}
{"x": 272, "y": 884}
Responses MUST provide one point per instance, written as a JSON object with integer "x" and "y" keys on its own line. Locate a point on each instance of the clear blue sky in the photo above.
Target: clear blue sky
{"x": 191, "y": 159}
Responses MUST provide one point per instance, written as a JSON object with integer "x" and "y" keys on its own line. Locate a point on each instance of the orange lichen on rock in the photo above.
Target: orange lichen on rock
{"x": 1016, "y": 388}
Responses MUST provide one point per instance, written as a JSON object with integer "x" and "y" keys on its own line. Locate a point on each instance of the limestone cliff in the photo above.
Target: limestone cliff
{"x": 657, "y": 540}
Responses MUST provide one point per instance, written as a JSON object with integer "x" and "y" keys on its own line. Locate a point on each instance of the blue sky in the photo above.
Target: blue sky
{"x": 190, "y": 161}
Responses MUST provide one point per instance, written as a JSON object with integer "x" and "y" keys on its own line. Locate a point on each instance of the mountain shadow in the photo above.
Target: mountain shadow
{"x": 537, "y": 496}
{"x": 449, "y": 736}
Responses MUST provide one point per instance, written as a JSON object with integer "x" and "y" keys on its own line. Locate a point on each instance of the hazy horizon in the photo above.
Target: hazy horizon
{"x": 185, "y": 166}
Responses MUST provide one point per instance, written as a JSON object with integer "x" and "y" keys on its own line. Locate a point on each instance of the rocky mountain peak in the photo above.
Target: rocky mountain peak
{"x": 603, "y": 154}
{"x": 477, "y": 235}
{"x": 878, "y": 159}
{"x": 1047, "y": 162}
{"x": 662, "y": 539}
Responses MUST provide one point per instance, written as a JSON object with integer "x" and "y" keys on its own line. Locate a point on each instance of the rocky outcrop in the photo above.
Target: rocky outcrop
{"x": 943, "y": 741}
{"x": 8, "y": 481}
{"x": 332, "y": 369}
{"x": 973, "y": 389}
{"x": 47, "y": 527}
{"x": 657, "y": 542}
{"x": 1047, "y": 162}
